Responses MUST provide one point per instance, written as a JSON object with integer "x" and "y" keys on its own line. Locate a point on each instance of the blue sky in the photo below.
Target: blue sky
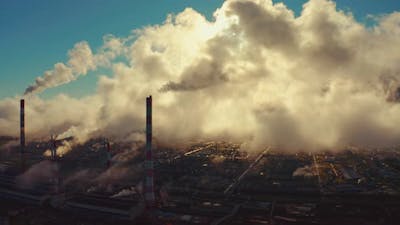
{"x": 37, "y": 34}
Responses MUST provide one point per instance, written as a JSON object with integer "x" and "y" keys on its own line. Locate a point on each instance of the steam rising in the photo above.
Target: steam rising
{"x": 255, "y": 74}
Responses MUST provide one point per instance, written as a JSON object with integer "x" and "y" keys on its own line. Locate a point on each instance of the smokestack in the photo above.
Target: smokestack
{"x": 149, "y": 183}
{"x": 53, "y": 148}
{"x": 108, "y": 154}
{"x": 22, "y": 125}
{"x": 108, "y": 149}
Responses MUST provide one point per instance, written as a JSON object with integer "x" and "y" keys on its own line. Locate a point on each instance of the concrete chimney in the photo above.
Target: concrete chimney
{"x": 56, "y": 179}
{"x": 53, "y": 148}
{"x": 22, "y": 125}
{"x": 107, "y": 146}
{"x": 149, "y": 169}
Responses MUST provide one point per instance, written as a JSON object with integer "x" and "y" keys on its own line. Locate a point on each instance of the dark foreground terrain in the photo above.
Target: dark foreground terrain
{"x": 205, "y": 183}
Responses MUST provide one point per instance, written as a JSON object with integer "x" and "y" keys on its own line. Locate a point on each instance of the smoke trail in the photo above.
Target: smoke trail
{"x": 81, "y": 61}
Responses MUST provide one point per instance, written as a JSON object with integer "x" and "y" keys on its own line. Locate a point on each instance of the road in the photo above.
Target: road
{"x": 199, "y": 149}
{"x": 236, "y": 182}
{"x": 317, "y": 168}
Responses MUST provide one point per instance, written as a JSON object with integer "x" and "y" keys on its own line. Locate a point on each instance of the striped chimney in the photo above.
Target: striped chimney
{"x": 149, "y": 170}
{"x": 22, "y": 125}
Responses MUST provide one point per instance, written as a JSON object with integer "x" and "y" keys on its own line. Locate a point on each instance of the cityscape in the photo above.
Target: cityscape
{"x": 186, "y": 112}
{"x": 213, "y": 182}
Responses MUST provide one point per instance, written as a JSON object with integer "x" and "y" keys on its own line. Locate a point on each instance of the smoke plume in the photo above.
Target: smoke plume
{"x": 81, "y": 61}
{"x": 255, "y": 74}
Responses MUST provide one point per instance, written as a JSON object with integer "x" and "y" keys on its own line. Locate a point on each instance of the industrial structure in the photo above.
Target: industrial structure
{"x": 22, "y": 125}
{"x": 107, "y": 147}
{"x": 53, "y": 148}
{"x": 149, "y": 165}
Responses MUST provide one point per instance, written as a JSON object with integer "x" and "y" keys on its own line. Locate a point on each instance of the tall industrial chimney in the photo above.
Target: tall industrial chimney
{"x": 149, "y": 170}
{"x": 22, "y": 125}
{"x": 53, "y": 148}
{"x": 107, "y": 147}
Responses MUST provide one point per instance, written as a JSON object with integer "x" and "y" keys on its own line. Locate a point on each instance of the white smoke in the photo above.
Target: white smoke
{"x": 125, "y": 192}
{"x": 306, "y": 171}
{"x": 81, "y": 61}
{"x": 255, "y": 74}
{"x": 62, "y": 149}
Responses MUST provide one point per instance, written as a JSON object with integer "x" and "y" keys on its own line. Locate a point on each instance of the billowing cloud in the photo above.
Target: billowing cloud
{"x": 255, "y": 74}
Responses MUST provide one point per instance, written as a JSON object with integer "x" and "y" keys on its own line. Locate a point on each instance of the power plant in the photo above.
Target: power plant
{"x": 208, "y": 182}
